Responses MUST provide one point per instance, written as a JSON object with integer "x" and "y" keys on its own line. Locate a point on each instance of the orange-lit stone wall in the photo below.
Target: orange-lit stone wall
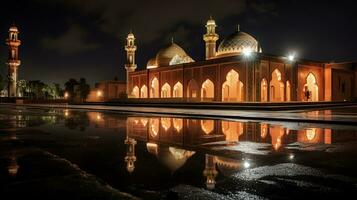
{"x": 303, "y": 72}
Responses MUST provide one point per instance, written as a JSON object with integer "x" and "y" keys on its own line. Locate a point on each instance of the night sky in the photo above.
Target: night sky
{"x": 64, "y": 39}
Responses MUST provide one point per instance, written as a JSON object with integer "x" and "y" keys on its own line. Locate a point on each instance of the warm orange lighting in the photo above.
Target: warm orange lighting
{"x": 66, "y": 113}
{"x": 99, "y": 93}
{"x": 66, "y": 95}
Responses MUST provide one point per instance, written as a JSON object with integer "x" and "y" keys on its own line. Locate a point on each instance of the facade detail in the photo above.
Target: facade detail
{"x": 13, "y": 61}
{"x": 238, "y": 71}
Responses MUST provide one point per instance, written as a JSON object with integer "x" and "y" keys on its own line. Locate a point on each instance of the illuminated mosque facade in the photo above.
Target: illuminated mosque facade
{"x": 236, "y": 71}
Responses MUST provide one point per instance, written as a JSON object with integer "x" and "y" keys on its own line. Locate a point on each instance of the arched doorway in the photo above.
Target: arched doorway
{"x": 154, "y": 88}
{"x": 288, "y": 91}
{"x": 178, "y": 90}
{"x": 178, "y": 124}
{"x": 166, "y": 123}
{"x": 192, "y": 89}
{"x": 276, "y": 87}
{"x": 166, "y": 91}
{"x": 144, "y": 92}
{"x": 232, "y": 88}
{"x": 135, "y": 92}
{"x": 154, "y": 126}
{"x": 207, "y": 90}
{"x": 311, "y": 89}
{"x": 263, "y": 90}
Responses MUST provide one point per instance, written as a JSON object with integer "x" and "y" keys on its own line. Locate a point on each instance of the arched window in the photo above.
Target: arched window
{"x": 178, "y": 90}
{"x": 166, "y": 91}
{"x": 154, "y": 88}
{"x": 311, "y": 89}
{"x": 135, "y": 92}
{"x": 207, "y": 90}
{"x": 166, "y": 123}
{"x": 144, "y": 92}
{"x": 178, "y": 124}
{"x": 276, "y": 87}
{"x": 192, "y": 89}
{"x": 154, "y": 126}
{"x": 264, "y": 90}
{"x": 232, "y": 88}
{"x": 288, "y": 91}
{"x": 207, "y": 126}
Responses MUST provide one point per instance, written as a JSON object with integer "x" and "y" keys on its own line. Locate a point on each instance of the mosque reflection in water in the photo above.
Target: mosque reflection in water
{"x": 163, "y": 136}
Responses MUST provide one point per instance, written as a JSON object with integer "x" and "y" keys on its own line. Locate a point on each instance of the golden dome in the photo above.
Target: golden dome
{"x": 236, "y": 43}
{"x": 171, "y": 55}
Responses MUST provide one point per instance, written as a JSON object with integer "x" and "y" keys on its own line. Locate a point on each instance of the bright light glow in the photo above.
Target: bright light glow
{"x": 99, "y": 93}
{"x": 247, "y": 52}
{"x": 246, "y": 164}
{"x": 291, "y": 57}
{"x": 66, "y": 95}
{"x": 291, "y": 156}
{"x": 66, "y": 113}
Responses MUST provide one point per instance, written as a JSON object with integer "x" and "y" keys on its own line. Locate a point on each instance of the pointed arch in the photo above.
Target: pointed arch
{"x": 166, "y": 123}
{"x": 207, "y": 126}
{"x": 232, "y": 88}
{"x": 264, "y": 90}
{"x": 276, "y": 87}
{"x": 311, "y": 89}
{"x": 144, "y": 91}
{"x": 207, "y": 90}
{"x": 135, "y": 92}
{"x": 192, "y": 89}
{"x": 166, "y": 91}
{"x": 288, "y": 91}
{"x": 154, "y": 127}
{"x": 178, "y": 90}
{"x": 232, "y": 130}
{"x": 177, "y": 123}
{"x": 154, "y": 88}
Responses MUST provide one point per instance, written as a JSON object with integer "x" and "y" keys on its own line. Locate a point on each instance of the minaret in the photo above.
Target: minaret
{"x": 210, "y": 172}
{"x": 210, "y": 38}
{"x": 13, "y": 61}
{"x": 130, "y": 157}
{"x": 130, "y": 65}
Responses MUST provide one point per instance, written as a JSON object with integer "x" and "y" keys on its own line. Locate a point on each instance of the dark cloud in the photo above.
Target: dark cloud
{"x": 71, "y": 41}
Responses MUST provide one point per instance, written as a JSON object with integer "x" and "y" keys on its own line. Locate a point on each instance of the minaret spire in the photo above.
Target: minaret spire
{"x": 210, "y": 38}
{"x": 13, "y": 61}
{"x": 130, "y": 65}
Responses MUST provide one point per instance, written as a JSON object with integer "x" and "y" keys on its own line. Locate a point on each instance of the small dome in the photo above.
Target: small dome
{"x": 236, "y": 43}
{"x": 211, "y": 22}
{"x": 172, "y": 54}
{"x": 151, "y": 63}
{"x": 13, "y": 29}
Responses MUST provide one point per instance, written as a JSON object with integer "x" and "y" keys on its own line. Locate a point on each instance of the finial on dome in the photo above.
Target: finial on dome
{"x": 210, "y": 17}
{"x": 238, "y": 27}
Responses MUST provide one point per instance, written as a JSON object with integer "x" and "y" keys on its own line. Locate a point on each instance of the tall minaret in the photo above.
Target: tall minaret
{"x": 13, "y": 61}
{"x": 130, "y": 65}
{"x": 210, "y": 38}
{"x": 130, "y": 157}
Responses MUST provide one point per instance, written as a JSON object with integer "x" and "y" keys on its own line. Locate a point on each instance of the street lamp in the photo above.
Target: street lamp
{"x": 66, "y": 95}
{"x": 99, "y": 93}
{"x": 247, "y": 52}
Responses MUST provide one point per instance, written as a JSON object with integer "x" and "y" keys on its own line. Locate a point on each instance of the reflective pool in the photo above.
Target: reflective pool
{"x": 155, "y": 157}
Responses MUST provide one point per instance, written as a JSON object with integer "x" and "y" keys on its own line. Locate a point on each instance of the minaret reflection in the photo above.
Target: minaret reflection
{"x": 13, "y": 166}
{"x": 210, "y": 172}
{"x": 130, "y": 157}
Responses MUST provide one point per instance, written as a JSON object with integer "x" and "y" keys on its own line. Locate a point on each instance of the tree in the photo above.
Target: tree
{"x": 83, "y": 88}
{"x": 69, "y": 87}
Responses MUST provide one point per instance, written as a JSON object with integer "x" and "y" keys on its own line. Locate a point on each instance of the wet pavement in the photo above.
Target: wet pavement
{"x": 54, "y": 153}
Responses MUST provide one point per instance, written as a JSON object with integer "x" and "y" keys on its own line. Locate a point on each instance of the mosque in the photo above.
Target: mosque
{"x": 236, "y": 71}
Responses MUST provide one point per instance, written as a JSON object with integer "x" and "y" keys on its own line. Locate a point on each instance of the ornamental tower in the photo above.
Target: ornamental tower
{"x": 13, "y": 61}
{"x": 210, "y": 172}
{"x": 210, "y": 38}
{"x": 130, "y": 65}
{"x": 130, "y": 157}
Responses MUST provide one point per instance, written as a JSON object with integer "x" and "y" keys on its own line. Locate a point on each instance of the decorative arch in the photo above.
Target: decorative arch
{"x": 288, "y": 91}
{"x": 178, "y": 90}
{"x": 166, "y": 123}
{"x": 166, "y": 91}
{"x": 192, "y": 89}
{"x": 154, "y": 127}
{"x": 207, "y": 90}
{"x": 177, "y": 123}
{"x": 311, "y": 89}
{"x": 276, "y": 87}
{"x": 144, "y": 91}
{"x": 264, "y": 90}
{"x": 232, "y": 88}
{"x": 154, "y": 88}
{"x": 207, "y": 126}
{"x": 232, "y": 130}
{"x": 135, "y": 92}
